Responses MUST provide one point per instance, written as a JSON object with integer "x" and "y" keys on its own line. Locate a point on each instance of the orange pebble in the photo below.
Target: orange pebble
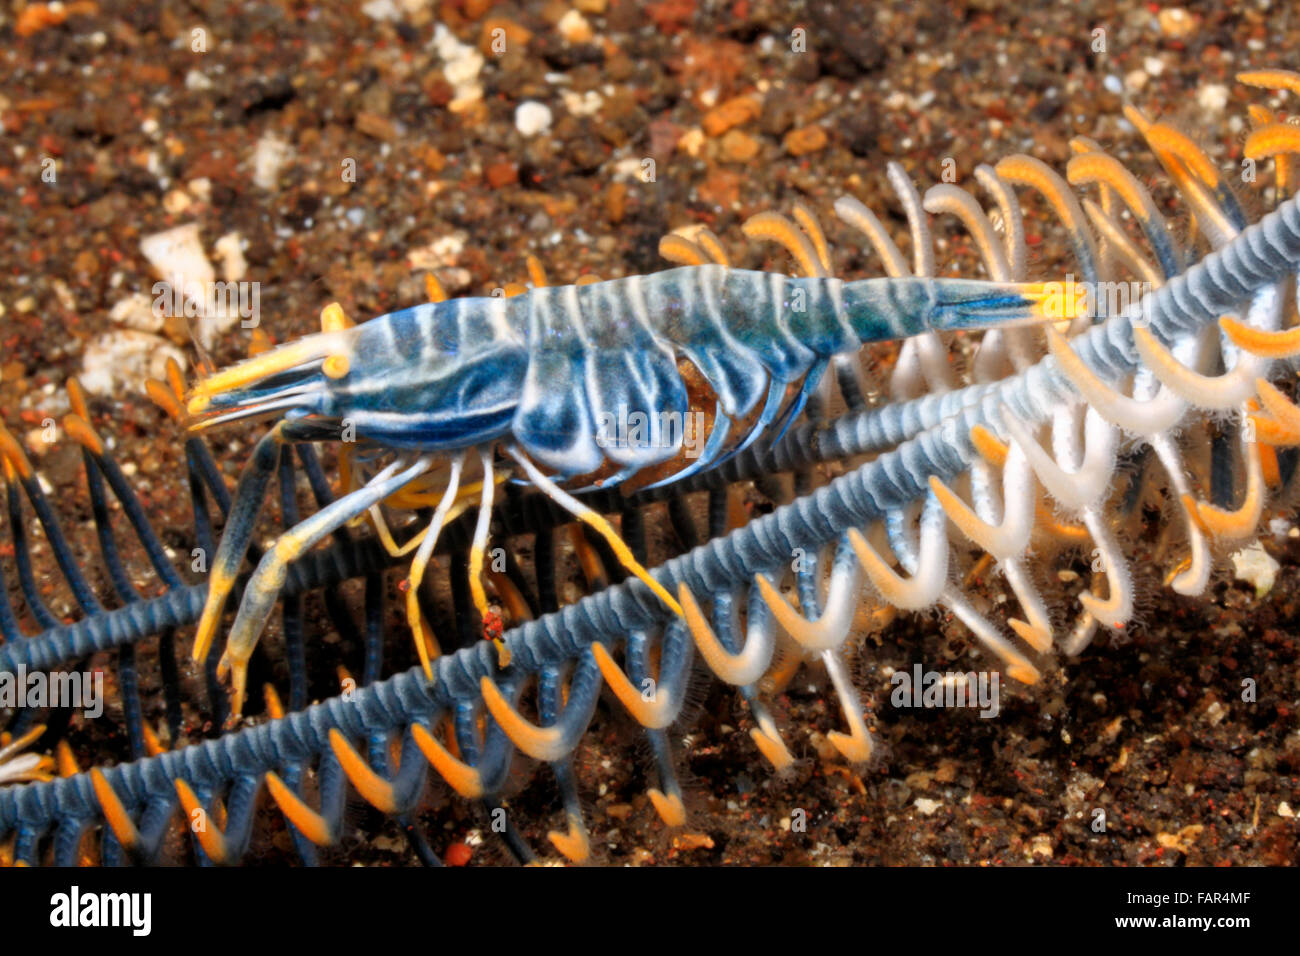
{"x": 458, "y": 854}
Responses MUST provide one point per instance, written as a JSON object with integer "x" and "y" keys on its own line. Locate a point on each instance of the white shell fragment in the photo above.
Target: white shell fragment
{"x": 1257, "y": 567}
{"x": 188, "y": 284}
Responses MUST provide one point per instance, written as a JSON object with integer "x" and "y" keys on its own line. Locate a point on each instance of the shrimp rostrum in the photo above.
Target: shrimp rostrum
{"x": 548, "y": 377}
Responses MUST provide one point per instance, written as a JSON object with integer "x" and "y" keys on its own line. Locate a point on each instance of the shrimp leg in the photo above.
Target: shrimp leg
{"x": 249, "y": 497}
{"x": 596, "y": 521}
{"x": 478, "y": 549}
{"x": 413, "y": 614}
{"x": 265, "y": 584}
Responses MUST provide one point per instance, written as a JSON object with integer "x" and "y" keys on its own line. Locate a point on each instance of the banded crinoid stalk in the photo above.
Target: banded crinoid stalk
{"x": 1143, "y": 376}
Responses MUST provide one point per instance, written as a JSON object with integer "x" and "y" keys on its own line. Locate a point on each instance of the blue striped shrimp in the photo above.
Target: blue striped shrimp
{"x": 547, "y": 376}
